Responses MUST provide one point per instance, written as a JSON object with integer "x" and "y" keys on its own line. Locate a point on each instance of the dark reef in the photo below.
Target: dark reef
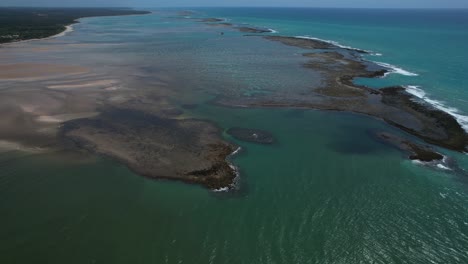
{"x": 186, "y": 150}
{"x": 211, "y": 20}
{"x": 253, "y": 30}
{"x": 413, "y": 150}
{"x": 338, "y": 68}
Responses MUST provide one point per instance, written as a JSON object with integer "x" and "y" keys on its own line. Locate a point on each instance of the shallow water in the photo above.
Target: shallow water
{"x": 324, "y": 192}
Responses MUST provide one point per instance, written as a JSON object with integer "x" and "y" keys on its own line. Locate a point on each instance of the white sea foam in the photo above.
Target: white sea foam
{"x": 334, "y": 43}
{"x": 442, "y": 167}
{"x": 273, "y": 31}
{"x": 236, "y": 171}
{"x": 236, "y": 151}
{"x": 67, "y": 30}
{"x": 224, "y": 189}
{"x": 395, "y": 69}
{"x": 418, "y": 162}
{"x": 418, "y": 92}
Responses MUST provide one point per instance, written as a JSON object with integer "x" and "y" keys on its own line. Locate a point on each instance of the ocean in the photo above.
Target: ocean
{"x": 325, "y": 192}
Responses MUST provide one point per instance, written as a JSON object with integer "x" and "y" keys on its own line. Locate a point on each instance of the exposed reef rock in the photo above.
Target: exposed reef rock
{"x": 413, "y": 150}
{"x": 186, "y": 150}
{"x": 301, "y": 42}
{"x": 253, "y": 30}
{"x": 251, "y": 135}
{"x": 444, "y": 129}
{"x": 338, "y": 67}
{"x": 245, "y": 29}
{"x": 309, "y": 43}
{"x": 211, "y": 20}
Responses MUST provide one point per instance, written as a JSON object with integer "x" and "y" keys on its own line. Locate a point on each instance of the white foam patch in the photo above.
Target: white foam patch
{"x": 236, "y": 151}
{"x": 333, "y": 43}
{"x": 417, "y": 162}
{"x": 225, "y": 189}
{"x": 273, "y": 31}
{"x": 67, "y": 30}
{"x": 236, "y": 171}
{"x": 418, "y": 92}
{"x": 442, "y": 167}
{"x": 395, "y": 69}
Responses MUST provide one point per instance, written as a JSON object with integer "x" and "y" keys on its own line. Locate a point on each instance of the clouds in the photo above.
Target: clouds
{"x": 308, "y": 3}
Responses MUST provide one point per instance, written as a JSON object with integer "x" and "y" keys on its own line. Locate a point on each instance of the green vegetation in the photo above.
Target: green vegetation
{"x": 32, "y": 23}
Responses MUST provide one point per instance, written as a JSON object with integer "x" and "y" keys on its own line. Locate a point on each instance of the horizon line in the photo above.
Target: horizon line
{"x": 183, "y": 7}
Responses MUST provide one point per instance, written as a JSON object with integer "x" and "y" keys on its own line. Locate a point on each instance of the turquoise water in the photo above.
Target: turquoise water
{"x": 325, "y": 192}
{"x": 430, "y": 43}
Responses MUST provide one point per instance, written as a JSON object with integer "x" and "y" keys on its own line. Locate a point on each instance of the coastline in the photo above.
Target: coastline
{"x": 127, "y": 129}
{"x": 67, "y": 26}
{"x": 68, "y": 29}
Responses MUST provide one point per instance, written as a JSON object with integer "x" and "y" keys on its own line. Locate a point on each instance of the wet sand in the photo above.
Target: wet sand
{"x": 58, "y": 106}
{"x": 21, "y": 71}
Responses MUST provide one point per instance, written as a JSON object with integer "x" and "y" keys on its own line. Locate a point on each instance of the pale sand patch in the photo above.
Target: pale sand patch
{"x": 28, "y": 108}
{"x": 65, "y": 117}
{"x": 6, "y": 146}
{"x": 112, "y": 88}
{"x": 87, "y": 84}
{"x": 33, "y": 70}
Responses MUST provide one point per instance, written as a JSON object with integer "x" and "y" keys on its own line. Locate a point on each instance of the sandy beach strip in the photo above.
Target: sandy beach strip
{"x": 68, "y": 29}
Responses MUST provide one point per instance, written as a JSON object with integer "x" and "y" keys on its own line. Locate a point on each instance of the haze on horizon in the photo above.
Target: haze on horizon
{"x": 244, "y": 3}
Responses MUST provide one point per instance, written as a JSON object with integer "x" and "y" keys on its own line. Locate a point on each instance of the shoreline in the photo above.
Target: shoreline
{"x": 68, "y": 29}
{"x": 68, "y": 26}
{"x": 149, "y": 138}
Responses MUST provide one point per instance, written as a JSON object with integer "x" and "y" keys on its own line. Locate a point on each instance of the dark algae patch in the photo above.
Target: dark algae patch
{"x": 33, "y": 23}
{"x": 251, "y": 135}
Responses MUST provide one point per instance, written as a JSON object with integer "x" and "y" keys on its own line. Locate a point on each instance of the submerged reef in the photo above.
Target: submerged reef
{"x": 251, "y": 135}
{"x": 131, "y": 115}
{"x": 338, "y": 68}
{"x": 413, "y": 151}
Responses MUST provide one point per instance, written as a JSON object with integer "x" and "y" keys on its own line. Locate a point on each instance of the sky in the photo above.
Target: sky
{"x": 266, "y": 3}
